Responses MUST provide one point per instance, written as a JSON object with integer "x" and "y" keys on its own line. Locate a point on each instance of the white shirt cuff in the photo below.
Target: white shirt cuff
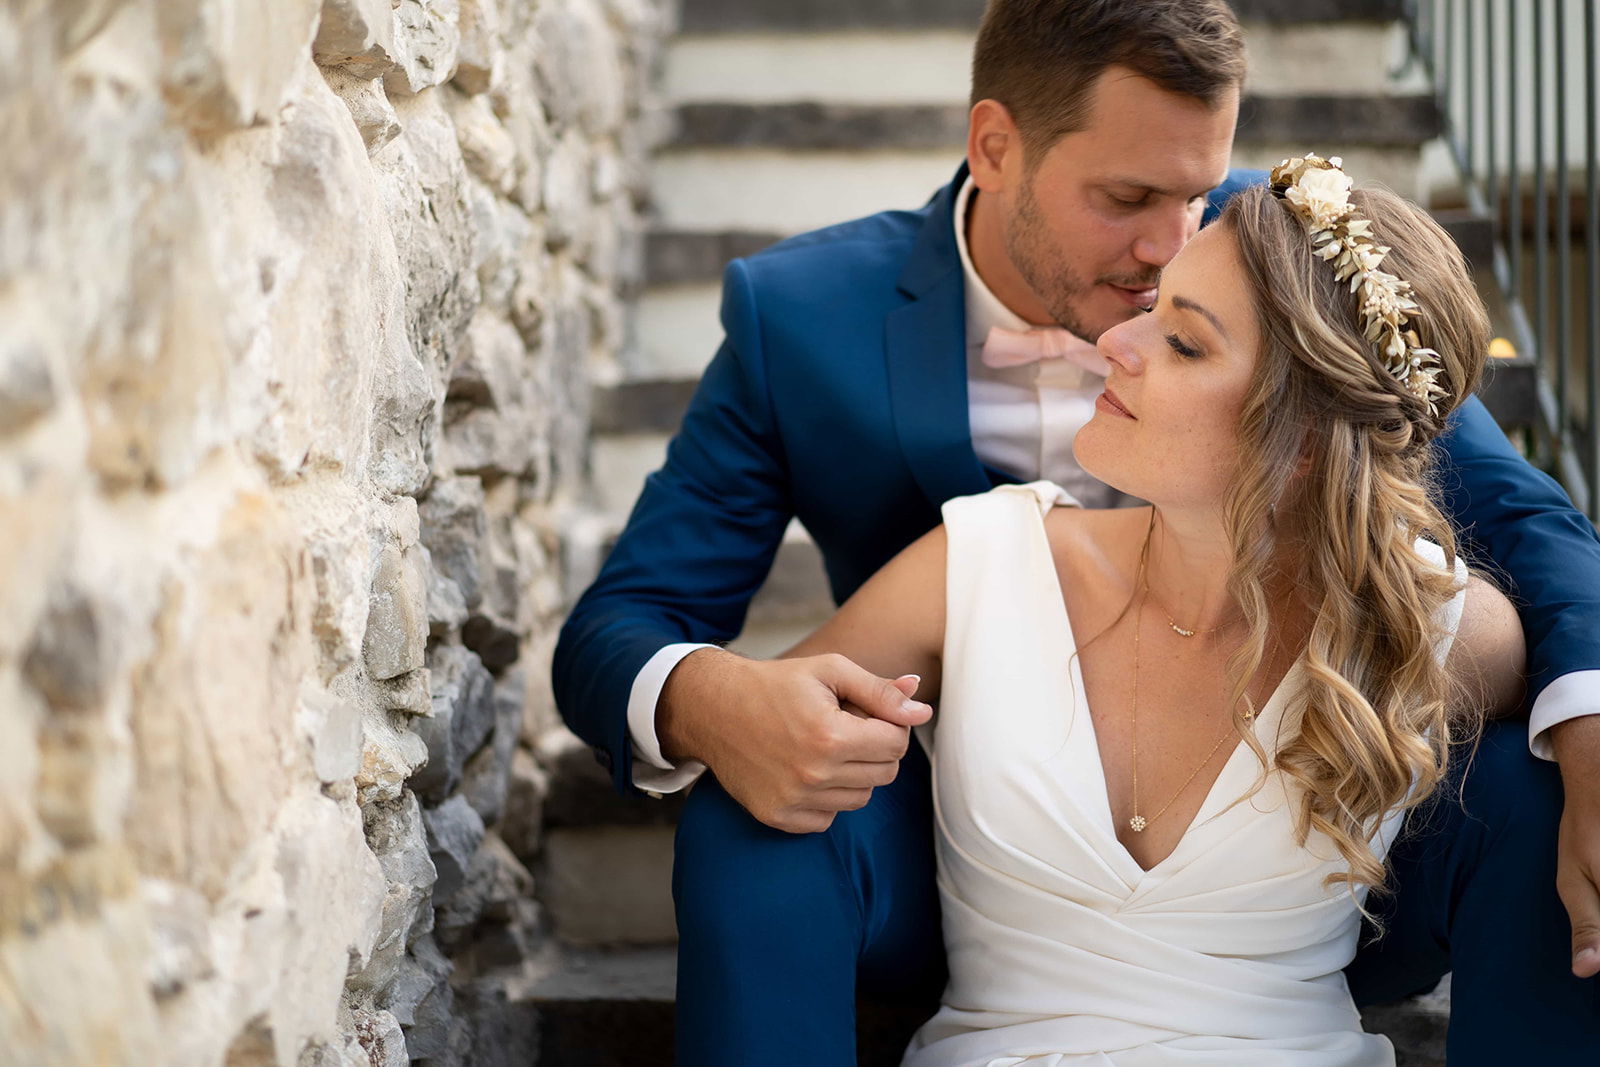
{"x": 1568, "y": 697}
{"x": 652, "y": 772}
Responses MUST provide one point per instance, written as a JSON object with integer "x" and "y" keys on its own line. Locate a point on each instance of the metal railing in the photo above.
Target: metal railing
{"x": 1516, "y": 85}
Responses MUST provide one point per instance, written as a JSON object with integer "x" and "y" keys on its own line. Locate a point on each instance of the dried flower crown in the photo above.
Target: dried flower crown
{"x": 1317, "y": 190}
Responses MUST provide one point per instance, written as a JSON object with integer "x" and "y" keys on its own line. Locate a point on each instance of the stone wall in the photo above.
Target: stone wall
{"x": 299, "y": 303}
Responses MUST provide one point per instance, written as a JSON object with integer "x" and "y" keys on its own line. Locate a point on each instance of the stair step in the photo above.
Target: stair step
{"x": 728, "y": 16}
{"x": 788, "y": 192}
{"x": 933, "y": 67}
{"x": 599, "y": 1009}
{"x": 687, "y": 257}
{"x": 807, "y": 126}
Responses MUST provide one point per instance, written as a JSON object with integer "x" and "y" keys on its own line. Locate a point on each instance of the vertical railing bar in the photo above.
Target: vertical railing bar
{"x": 1541, "y": 224}
{"x": 1469, "y": 55}
{"x": 1591, "y": 250}
{"x": 1563, "y": 232}
{"x": 1513, "y": 180}
{"x": 1491, "y": 123}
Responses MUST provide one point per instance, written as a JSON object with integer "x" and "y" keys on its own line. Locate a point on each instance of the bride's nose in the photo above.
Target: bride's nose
{"x": 1120, "y": 345}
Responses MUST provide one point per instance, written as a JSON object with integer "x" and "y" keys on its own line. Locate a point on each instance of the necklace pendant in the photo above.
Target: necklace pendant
{"x": 1180, "y": 631}
{"x": 1137, "y": 824}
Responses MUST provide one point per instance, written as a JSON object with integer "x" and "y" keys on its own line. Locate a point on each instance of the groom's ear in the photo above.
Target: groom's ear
{"x": 994, "y": 146}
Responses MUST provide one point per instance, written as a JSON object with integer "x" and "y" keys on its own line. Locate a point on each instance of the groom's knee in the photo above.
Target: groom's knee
{"x": 735, "y": 876}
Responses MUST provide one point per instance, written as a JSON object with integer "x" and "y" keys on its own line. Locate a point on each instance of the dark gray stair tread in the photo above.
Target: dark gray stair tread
{"x": 684, "y": 256}
{"x": 814, "y": 126}
{"x": 736, "y": 16}
{"x": 654, "y": 406}
{"x": 581, "y": 796}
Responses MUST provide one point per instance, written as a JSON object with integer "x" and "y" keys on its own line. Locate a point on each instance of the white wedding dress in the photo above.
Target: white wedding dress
{"x": 1062, "y": 949}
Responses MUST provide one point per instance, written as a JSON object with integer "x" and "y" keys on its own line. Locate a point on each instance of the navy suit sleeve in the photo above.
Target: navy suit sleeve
{"x": 1518, "y": 520}
{"x": 696, "y": 548}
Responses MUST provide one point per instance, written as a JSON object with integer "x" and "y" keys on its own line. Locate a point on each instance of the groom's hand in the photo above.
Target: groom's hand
{"x": 794, "y": 741}
{"x": 1577, "y": 749}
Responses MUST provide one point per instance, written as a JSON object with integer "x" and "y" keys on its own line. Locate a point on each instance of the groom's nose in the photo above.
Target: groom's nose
{"x": 1163, "y": 230}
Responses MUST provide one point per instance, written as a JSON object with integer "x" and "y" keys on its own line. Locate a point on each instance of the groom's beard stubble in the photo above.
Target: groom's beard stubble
{"x": 1045, "y": 268}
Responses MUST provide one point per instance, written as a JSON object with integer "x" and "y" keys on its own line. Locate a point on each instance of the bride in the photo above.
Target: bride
{"x": 1174, "y": 743}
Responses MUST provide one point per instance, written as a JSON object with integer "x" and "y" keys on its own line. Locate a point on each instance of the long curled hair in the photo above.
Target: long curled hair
{"x": 1335, "y": 474}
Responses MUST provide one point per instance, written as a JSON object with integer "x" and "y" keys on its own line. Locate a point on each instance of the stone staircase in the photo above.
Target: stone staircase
{"x": 791, "y": 114}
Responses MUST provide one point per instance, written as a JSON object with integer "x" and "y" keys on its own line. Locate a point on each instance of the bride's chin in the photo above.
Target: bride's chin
{"x": 1094, "y": 463}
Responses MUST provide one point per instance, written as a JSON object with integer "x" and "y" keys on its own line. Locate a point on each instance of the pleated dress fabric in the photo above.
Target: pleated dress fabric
{"x": 1062, "y": 949}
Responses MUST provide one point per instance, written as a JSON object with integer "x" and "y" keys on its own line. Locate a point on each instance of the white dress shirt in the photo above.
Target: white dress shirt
{"x": 1023, "y": 421}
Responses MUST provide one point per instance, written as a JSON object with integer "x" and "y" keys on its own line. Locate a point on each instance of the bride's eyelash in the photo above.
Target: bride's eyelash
{"x": 1186, "y": 351}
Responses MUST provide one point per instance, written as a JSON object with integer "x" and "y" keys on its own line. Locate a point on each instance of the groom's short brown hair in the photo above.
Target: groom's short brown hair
{"x": 1040, "y": 57}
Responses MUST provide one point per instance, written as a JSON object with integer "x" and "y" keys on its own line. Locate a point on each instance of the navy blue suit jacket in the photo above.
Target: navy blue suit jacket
{"x": 840, "y": 396}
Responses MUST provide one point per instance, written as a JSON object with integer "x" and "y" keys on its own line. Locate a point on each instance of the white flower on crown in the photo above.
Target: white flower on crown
{"x": 1323, "y": 194}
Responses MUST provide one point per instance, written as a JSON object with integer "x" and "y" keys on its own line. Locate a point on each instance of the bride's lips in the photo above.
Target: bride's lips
{"x": 1139, "y": 298}
{"x": 1108, "y": 402}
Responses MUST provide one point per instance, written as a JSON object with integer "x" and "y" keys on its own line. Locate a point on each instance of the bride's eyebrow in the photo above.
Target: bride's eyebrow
{"x": 1183, "y": 303}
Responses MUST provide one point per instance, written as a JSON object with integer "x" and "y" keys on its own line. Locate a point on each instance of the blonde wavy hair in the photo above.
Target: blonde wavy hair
{"x": 1335, "y": 475}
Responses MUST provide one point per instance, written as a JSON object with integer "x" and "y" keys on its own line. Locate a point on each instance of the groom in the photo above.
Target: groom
{"x": 858, "y": 388}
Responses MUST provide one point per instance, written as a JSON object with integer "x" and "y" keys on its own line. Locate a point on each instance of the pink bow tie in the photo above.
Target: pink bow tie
{"x": 1017, "y": 348}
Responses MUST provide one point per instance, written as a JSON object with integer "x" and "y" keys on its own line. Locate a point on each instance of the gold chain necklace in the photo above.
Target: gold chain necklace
{"x": 1138, "y": 822}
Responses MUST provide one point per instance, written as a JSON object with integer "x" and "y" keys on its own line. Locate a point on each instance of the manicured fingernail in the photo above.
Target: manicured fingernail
{"x": 915, "y": 707}
{"x": 914, "y": 677}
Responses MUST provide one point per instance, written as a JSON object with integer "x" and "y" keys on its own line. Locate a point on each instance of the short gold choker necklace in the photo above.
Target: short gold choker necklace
{"x": 1144, "y": 586}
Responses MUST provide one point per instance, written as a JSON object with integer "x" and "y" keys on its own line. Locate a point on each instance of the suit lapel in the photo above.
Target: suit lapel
{"x": 926, "y": 348}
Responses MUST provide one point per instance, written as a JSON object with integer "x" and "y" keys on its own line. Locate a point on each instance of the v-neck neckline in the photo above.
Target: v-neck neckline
{"x": 1215, "y": 802}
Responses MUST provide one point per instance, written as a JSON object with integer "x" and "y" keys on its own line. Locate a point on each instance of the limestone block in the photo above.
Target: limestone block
{"x": 27, "y": 388}
{"x": 480, "y": 58}
{"x": 397, "y": 623}
{"x": 396, "y": 836}
{"x": 417, "y": 975}
{"x": 425, "y": 192}
{"x": 403, "y": 411}
{"x": 447, "y": 608}
{"x": 69, "y": 926}
{"x": 411, "y": 692}
{"x": 230, "y": 63}
{"x": 381, "y": 1039}
{"x": 528, "y": 126}
{"x": 580, "y": 74}
{"x": 333, "y": 728}
{"x": 463, "y": 716}
{"x": 454, "y": 529}
{"x": 72, "y": 656}
{"x": 495, "y": 881}
{"x": 454, "y": 833}
{"x": 435, "y": 1034}
{"x": 390, "y": 754}
{"x": 357, "y": 35}
{"x": 427, "y": 37}
{"x": 333, "y": 889}
{"x": 337, "y": 553}
{"x": 566, "y": 192}
{"x": 369, "y": 107}
{"x": 485, "y": 776}
{"x": 522, "y": 820}
{"x": 180, "y": 944}
{"x": 214, "y": 749}
{"x": 504, "y": 232}
{"x": 487, "y": 148}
